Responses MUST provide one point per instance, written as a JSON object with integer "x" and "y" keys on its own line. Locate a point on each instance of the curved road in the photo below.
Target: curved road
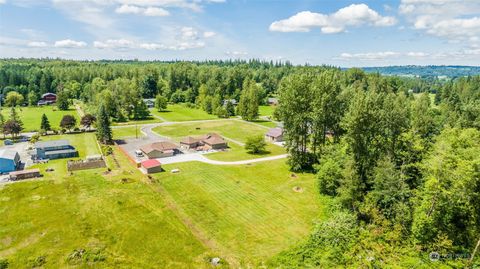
{"x": 180, "y": 158}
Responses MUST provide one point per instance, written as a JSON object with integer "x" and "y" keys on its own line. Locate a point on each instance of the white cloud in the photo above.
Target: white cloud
{"x": 149, "y": 11}
{"x": 189, "y": 33}
{"x": 37, "y": 44}
{"x": 156, "y": 11}
{"x": 152, "y": 46}
{"x": 114, "y": 44}
{"x": 195, "y": 5}
{"x": 236, "y": 53}
{"x": 453, "y": 20}
{"x": 3, "y": 2}
{"x": 369, "y": 55}
{"x": 123, "y": 44}
{"x": 353, "y": 15}
{"x": 68, "y": 43}
{"x": 209, "y": 34}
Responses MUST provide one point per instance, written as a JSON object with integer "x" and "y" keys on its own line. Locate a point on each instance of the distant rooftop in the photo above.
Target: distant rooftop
{"x": 8, "y": 154}
{"x": 53, "y": 143}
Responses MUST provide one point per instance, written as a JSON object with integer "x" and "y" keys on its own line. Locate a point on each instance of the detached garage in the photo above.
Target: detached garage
{"x": 9, "y": 160}
{"x": 151, "y": 166}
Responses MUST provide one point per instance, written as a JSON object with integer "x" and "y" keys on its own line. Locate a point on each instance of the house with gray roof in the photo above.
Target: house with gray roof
{"x": 9, "y": 160}
{"x": 55, "y": 149}
{"x": 275, "y": 134}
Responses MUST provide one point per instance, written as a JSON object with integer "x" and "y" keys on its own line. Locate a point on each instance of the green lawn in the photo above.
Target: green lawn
{"x": 180, "y": 112}
{"x": 126, "y": 132}
{"x": 234, "y": 129}
{"x": 266, "y": 123}
{"x": 139, "y": 122}
{"x": 251, "y": 211}
{"x": 266, "y": 110}
{"x": 243, "y": 214}
{"x": 32, "y": 116}
{"x": 237, "y": 153}
{"x": 119, "y": 223}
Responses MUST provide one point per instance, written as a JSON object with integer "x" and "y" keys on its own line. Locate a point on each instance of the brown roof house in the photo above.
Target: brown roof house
{"x": 206, "y": 142}
{"x": 159, "y": 149}
{"x": 275, "y": 134}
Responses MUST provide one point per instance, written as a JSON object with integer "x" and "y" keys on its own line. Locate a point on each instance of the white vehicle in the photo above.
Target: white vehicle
{"x": 138, "y": 153}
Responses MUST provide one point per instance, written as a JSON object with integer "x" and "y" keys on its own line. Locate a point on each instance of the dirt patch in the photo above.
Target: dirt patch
{"x": 6, "y": 241}
{"x": 297, "y": 189}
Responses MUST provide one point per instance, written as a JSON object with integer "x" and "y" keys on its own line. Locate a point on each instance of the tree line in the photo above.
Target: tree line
{"x": 402, "y": 168}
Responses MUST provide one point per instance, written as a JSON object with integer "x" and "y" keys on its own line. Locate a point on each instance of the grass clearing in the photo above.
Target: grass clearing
{"x": 119, "y": 223}
{"x": 234, "y": 129}
{"x": 238, "y": 153}
{"x": 266, "y": 110}
{"x": 250, "y": 210}
{"x": 180, "y": 112}
{"x": 139, "y": 122}
{"x": 126, "y": 132}
{"x": 32, "y": 116}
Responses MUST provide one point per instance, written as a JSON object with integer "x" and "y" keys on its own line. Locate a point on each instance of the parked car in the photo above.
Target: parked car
{"x": 8, "y": 142}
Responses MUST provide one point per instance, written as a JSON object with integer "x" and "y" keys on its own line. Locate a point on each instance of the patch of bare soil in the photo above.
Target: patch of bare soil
{"x": 297, "y": 189}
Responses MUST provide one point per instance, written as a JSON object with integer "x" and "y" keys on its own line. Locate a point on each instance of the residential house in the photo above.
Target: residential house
{"x": 226, "y": 101}
{"x": 275, "y": 134}
{"x": 206, "y": 142}
{"x": 47, "y": 99}
{"x": 272, "y": 101}
{"x": 55, "y": 149}
{"x": 9, "y": 160}
{"x": 149, "y": 102}
{"x": 151, "y": 166}
{"x": 159, "y": 149}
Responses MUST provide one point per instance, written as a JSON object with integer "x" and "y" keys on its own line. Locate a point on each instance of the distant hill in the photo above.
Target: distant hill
{"x": 442, "y": 71}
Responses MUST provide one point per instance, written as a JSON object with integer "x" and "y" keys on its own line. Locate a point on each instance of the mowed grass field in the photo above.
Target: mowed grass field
{"x": 237, "y": 130}
{"x": 238, "y": 153}
{"x": 116, "y": 220}
{"x": 126, "y": 132}
{"x": 180, "y": 112}
{"x": 32, "y": 116}
{"x": 250, "y": 211}
{"x": 234, "y": 129}
{"x": 266, "y": 110}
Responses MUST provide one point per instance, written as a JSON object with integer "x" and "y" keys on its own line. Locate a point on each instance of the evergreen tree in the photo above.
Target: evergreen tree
{"x": 104, "y": 131}
{"x": 230, "y": 108}
{"x": 45, "y": 124}
{"x": 63, "y": 102}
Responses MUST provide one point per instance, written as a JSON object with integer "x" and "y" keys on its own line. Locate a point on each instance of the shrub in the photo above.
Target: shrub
{"x": 4, "y": 264}
{"x": 255, "y": 144}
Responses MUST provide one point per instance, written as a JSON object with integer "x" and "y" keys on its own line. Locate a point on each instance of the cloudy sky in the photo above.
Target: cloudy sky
{"x": 336, "y": 32}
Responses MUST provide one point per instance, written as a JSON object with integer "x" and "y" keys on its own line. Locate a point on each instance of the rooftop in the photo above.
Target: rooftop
{"x": 275, "y": 132}
{"x": 189, "y": 140}
{"x": 53, "y": 143}
{"x": 213, "y": 139}
{"x": 159, "y": 146}
{"x": 8, "y": 154}
{"x": 151, "y": 163}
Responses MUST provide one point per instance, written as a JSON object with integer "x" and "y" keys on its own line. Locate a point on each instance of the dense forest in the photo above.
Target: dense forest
{"x": 399, "y": 156}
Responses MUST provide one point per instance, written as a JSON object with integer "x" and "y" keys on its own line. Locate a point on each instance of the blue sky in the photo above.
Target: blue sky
{"x": 335, "y": 32}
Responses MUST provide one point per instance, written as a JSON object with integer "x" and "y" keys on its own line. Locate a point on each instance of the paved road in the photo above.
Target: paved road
{"x": 180, "y": 158}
